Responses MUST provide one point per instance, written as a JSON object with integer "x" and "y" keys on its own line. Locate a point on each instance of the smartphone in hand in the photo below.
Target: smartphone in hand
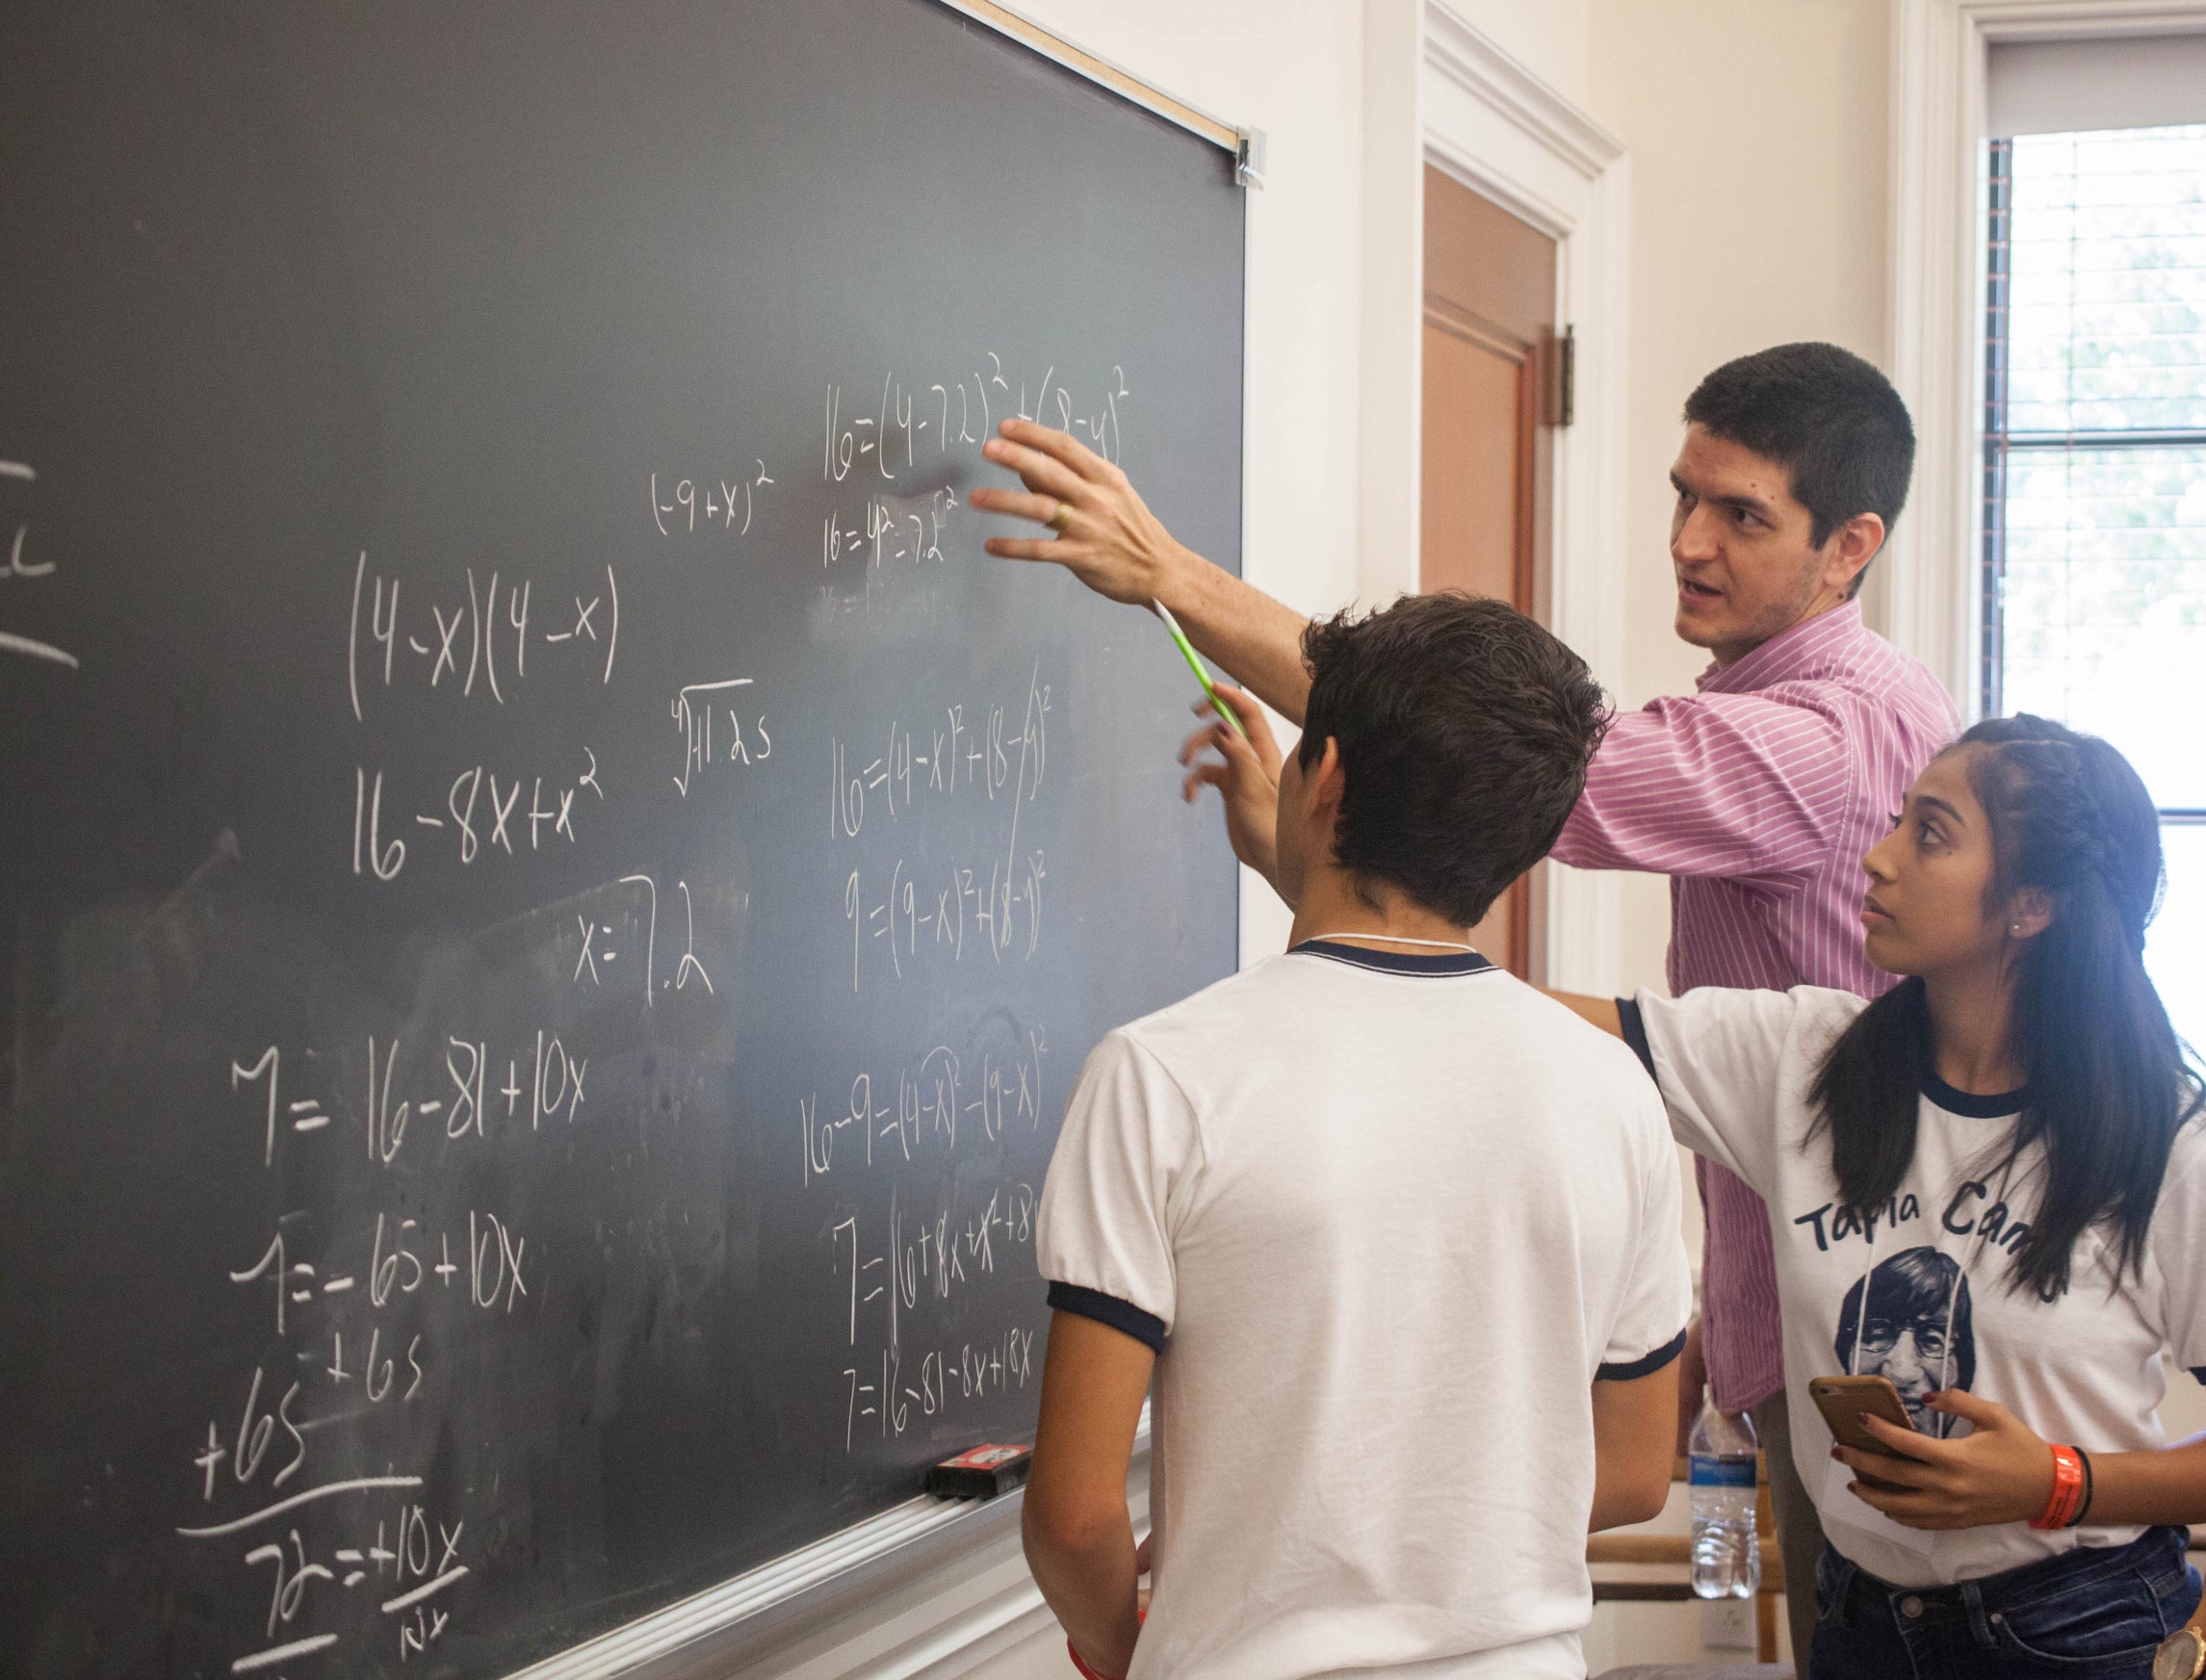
{"x": 1844, "y": 1401}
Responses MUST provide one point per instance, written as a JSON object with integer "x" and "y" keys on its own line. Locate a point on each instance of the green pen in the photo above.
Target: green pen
{"x": 1195, "y": 664}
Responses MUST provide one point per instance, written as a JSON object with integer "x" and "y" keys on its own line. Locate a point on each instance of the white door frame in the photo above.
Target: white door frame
{"x": 1484, "y": 118}
{"x": 1939, "y": 49}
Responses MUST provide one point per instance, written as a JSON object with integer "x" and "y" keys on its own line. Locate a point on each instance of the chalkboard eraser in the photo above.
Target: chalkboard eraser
{"x": 980, "y": 1474}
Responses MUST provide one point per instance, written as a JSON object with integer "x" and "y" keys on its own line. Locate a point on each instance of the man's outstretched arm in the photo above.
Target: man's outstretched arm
{"x": 1079, "y": 1539}
{"x": 1104, "y": 535}
{"x": 1600, "y": 1012}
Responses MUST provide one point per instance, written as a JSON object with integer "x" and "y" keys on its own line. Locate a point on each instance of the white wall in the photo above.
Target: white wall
{"x": 1757, "y": 137}
{"x": 1548, "y": 38}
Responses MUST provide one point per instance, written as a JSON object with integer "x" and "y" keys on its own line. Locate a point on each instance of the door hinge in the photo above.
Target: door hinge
{"x": 1563, "y": 378}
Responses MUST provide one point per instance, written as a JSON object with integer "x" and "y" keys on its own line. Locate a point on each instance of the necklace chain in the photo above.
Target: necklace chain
{"x": 1393, "y": 938}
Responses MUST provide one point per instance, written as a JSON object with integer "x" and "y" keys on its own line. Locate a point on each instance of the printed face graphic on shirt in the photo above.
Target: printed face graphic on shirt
{"x": 1916, "y": 1328}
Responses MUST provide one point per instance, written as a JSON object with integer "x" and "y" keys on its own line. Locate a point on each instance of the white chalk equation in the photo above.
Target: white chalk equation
{"x": 451, "y": 644}
{"x": 916, "y": 1260}
{"x": 462, "y": 1088}
{"x": 404, "y": 1567}
{"x": 678, "y": 503}
{"x": 911, "y": 422}
{"x": 357, "y": 1319}
{"x": 938, "y": 914}
{"x": 984, "y": 1094}
{"x": 889, "y": 451}
{"x": 998, "y": 752}
{"x": 695, "y": 708}
{"x": 480, "y": 817}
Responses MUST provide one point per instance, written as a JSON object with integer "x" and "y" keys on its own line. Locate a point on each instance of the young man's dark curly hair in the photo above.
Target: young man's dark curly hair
{"x": 1464, "y": 730}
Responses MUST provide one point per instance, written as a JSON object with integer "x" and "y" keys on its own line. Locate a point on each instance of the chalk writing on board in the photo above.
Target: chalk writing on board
{"x": 922, "y": 1113}
{"x": 695, "y": 707}
{"x": 24, "y": 565}
{"x": 677, "y": 502}
{"x": 482, "y": 815}
{"x": 886, "y": 449}
{"x": 894, "y": 432}
{"x": 451, "y": 643}
{"x": 1000, "y": 752}
{"x": 915, "y": 1160}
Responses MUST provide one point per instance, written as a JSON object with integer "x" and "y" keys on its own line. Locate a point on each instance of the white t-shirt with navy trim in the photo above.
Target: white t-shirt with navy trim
{"x": 1386, "y": 1219}
{"x": 1920, "y": 1292}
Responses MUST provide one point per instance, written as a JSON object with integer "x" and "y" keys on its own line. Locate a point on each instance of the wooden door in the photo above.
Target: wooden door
{"x": 1488, "y": 448}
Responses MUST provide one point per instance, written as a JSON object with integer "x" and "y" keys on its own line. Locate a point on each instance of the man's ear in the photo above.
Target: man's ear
{"x": 1847, "y": 555}
{"x": 1326, "y": 781}
{"x": 2029, "y": 912}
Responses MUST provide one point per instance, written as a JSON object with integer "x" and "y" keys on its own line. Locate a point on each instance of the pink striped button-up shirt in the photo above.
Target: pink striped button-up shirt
{"x": 1758, "y": 797}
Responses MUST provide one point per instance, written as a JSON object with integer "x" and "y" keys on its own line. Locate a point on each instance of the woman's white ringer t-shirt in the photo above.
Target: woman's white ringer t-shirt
{"x": 1920, "y": 1291}
{"x": 1385, "y": 1220}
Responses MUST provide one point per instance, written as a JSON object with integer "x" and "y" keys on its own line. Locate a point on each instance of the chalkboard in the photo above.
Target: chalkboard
{"x": 552, "y": 895}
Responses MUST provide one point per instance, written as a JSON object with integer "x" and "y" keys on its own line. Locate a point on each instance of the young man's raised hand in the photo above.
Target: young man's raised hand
{"x": 1245, "y": 774}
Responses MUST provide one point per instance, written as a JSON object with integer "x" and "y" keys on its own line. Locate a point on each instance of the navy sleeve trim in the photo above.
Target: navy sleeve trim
{"x": 2199, "y": 1371}
{"x": 1646, "y": 1367}
{"x": 1634, "y": 1027}
{"x": 1123, "y": 1316}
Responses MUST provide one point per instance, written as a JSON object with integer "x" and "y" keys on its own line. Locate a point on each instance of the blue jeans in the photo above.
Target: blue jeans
{"x": 2098, "y": 1610}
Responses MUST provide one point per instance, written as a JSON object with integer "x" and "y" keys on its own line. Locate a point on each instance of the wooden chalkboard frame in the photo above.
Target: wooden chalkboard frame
{"x": 1247, "y": 144}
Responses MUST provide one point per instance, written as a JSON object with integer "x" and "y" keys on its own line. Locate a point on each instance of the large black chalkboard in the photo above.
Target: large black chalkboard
{"x": 551, "y": 896}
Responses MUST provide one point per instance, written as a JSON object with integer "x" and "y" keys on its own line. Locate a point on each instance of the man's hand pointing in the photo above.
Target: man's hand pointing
{"x": 1103, "y": 533}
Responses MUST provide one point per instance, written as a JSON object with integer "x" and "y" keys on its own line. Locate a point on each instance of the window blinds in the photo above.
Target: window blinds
{"x": 2065, "y": 87}
{"x": 2095, "y": 441}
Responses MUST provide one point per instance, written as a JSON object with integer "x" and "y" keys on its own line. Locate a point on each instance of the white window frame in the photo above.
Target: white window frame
{"x": 1927, "y": 597}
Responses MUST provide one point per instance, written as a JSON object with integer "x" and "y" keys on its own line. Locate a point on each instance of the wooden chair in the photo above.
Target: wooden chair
{"x": 1676, "y": 1552}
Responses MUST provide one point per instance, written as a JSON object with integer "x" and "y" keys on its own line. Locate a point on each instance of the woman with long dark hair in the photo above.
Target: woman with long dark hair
{"x": 1990, "y": 1185}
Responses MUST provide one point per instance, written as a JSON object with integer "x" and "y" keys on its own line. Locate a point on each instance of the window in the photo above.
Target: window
{"x": 2094, "y": 557}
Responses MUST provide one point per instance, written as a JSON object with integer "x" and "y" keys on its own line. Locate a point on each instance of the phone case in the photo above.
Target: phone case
{"x": 1843, "y": 1401}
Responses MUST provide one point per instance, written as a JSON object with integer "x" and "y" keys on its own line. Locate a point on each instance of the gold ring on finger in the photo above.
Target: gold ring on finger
{"x": 1060, "y": 519}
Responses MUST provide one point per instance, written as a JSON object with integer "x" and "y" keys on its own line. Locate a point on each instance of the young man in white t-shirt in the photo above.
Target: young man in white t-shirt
{"x": 1396, "y": 1236}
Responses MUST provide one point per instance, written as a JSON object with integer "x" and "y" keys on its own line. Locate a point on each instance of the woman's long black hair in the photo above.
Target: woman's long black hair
{"x": 2109, "y": 1082}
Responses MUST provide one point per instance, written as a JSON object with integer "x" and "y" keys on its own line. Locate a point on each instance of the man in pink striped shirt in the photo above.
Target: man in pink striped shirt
{"x": 1758, "y": 795}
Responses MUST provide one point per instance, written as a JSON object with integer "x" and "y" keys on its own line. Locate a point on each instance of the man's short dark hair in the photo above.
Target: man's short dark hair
{"x": 1829, "y": 419}
{"x": 1464, "y": 733}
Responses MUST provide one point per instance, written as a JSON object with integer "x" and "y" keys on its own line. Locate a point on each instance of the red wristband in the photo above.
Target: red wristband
{"x": 1086, "y": 1673}
{"x": 2067, "y": 1491}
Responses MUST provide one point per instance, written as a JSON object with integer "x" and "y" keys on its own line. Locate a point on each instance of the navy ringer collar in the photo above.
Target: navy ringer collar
{"x": 1394, "y": 962}
{"x": 1971, "y": 1106}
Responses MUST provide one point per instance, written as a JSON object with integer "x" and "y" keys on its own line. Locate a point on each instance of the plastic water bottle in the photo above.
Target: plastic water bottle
{"x": 1726, "y": 1561}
